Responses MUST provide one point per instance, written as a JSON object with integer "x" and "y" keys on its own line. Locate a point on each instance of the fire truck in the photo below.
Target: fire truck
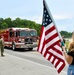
{"x": 19, "y": 38}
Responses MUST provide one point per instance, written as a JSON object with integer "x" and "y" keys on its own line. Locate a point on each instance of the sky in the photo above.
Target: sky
{"x": 62, "y": 11}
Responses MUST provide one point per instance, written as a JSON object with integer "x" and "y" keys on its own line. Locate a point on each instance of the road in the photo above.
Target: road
{"x": 37, "y": 61}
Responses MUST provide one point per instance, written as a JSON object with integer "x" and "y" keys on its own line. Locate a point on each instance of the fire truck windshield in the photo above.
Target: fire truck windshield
{"x": 33, "y": 33}
{"x": 28, "y": 33}
{"x": 24, "y": 33}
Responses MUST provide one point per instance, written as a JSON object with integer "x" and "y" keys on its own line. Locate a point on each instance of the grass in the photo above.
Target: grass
{"x": 67, "y": 43}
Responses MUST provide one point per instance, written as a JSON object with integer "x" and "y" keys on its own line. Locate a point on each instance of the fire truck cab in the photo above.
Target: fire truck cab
{"x": 19, "y": 38}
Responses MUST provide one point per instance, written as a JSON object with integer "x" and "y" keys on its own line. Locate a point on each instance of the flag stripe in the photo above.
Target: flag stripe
{"x": 47, "y": 56}
{"x": 57, "y": 50}
{"x": 62, "y": 66}
{"x": 51, "y": 38}
{"x": 56, "y": 60}
{"x": 50, "y": 30}
{"x": 43, "y": 48}
{"x": 41, "y": 39}
{"x": 50, "y": 47}
{"x": 52, "y": 42}
{"x": 56, "y": 54}
{"x": 51, "y": 59}
{"x": 59, "y": 65}
{"x": 49, "y": 26}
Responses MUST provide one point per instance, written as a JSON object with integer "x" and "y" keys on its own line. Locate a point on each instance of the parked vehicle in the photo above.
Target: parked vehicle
{"x": 19, "y": 38}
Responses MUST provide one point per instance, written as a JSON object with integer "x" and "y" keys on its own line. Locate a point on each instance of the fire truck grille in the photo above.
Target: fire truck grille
{"x": 28, "y": 41}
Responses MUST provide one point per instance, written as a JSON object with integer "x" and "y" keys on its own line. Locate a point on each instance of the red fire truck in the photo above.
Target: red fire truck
{"x": 19, "y": 38}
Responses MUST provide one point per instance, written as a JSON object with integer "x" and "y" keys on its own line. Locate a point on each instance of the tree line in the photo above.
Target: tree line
{"x": 24, "y": 23}
{"x": 66, "y": 34}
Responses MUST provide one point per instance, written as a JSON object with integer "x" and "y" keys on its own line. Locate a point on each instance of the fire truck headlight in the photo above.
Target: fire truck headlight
{"x": 22, "y": 40}
{"x": 19, "y": 40}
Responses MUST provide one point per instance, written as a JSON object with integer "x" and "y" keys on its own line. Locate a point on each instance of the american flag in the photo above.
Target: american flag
{"x": 49, "y": 43}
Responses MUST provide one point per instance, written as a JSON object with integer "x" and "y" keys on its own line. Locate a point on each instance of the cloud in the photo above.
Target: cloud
{"x": 63, "y": 16}
{"x": 37, "y": 19}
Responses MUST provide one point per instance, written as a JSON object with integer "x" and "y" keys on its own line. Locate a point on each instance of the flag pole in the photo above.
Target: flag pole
{"x": 52, "y": 19}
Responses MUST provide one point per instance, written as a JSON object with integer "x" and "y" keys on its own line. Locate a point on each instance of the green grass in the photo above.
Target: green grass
{"x": 67, "y": 43}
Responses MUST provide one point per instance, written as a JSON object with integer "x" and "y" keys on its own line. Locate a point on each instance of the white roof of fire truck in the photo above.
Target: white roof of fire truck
{"x": 28, "y": 29}
{"x": 19, "y": 28}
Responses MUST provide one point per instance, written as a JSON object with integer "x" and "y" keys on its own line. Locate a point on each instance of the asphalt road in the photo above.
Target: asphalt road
{"x": 34, "y": 58}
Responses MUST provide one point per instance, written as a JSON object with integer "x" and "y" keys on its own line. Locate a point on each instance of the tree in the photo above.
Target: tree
{"x": 8, "y": 21}
{"x": 4, "y": 25}
{"x": 66, "y": 34}
{"x": 1, "y": 21}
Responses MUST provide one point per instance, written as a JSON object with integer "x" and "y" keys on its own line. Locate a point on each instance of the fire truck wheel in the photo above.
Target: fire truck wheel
{"x": 13, "y": 46}
{"x": 30, "y": 49}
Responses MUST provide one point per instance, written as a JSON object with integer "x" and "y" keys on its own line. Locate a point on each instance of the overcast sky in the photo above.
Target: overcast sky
{"x": 62, "y": 11}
